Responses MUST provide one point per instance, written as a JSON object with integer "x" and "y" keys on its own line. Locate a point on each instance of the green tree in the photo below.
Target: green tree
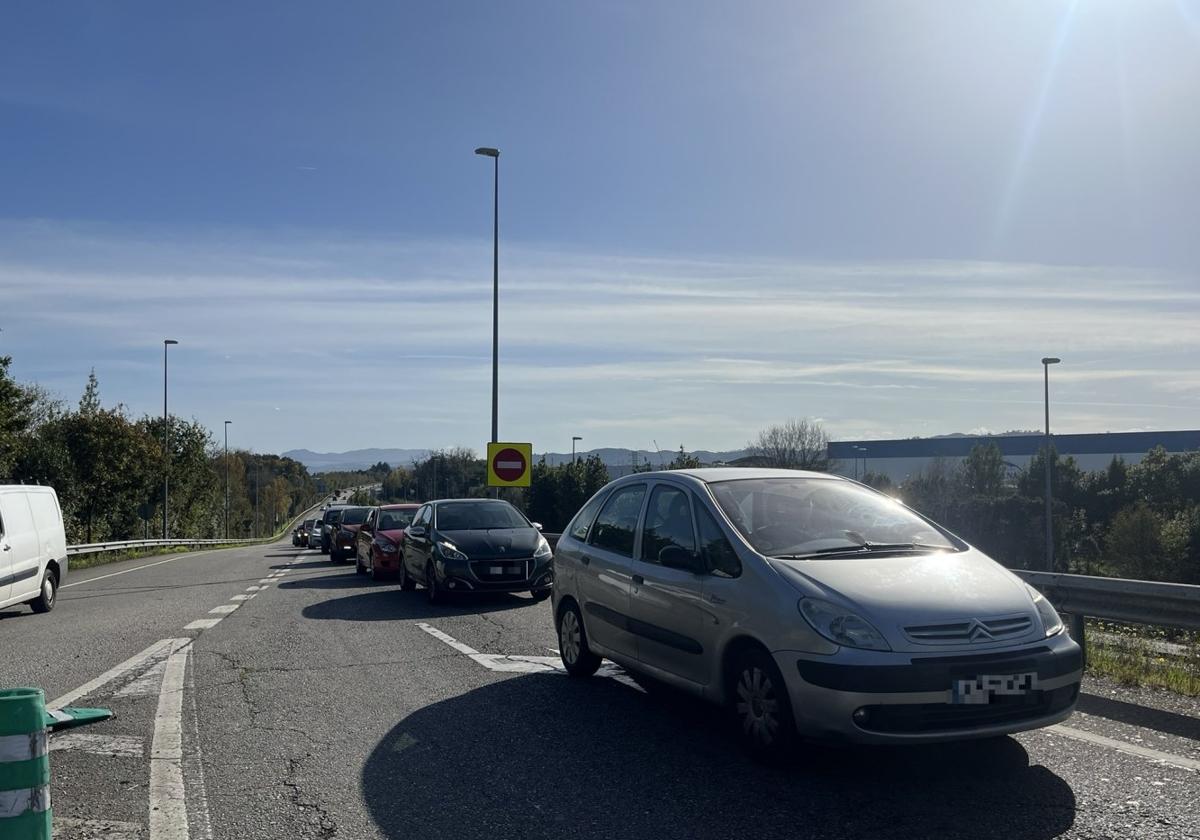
{"x": 801, "y": 444}
{"x": 983, "y": 471}
{"x": 684, "y": 461}
{"x": 16, "y": 416}
{"x": 1133, "y": 547}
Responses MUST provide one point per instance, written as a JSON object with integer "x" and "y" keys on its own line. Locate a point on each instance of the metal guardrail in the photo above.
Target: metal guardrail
{"x": 93, "y": 548}
{"x": 1117, "y": 599}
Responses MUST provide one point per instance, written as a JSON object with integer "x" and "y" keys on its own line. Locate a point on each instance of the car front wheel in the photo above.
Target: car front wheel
{"x": 761, "y": 707}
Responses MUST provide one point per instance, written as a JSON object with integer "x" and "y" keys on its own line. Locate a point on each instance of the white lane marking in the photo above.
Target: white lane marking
{"x": 108, "y": 829}
{"x": 266, "y": 580}
{"x": 124, "y": 746}
{"x": 168, "y": 803}
{"x": 516, "y": 664}
{"x": 202, "y": 624}
{"x": 1125, "y": 747}
{"x": 127, "y": 571}
{"x": 242, "y": 597}
{"x": 254, "y": 588}
{"x": 194, "y": 769}
{"x": 146, "y": 684}
{"x": 224, "y": 609}
{"x": 157, "y": 649}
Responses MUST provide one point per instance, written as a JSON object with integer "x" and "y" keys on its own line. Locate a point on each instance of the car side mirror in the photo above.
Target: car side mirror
{"x": 675, "y": 557}
{"x": 416, "y": 531}
{"x": 537, "y": 525}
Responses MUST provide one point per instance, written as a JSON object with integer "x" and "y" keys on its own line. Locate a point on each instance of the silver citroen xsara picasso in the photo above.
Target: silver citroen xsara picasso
{"x": 811, "y": 605}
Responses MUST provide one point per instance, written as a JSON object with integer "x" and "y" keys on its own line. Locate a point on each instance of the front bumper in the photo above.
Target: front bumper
{"x": 906, "y": 698}
{"x": 476, "y": 575}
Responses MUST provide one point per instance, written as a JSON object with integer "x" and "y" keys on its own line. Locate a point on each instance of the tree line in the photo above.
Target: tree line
{"x": 107, "y": 469}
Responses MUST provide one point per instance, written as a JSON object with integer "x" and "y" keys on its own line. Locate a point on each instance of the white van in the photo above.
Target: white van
{"x": 33, "y": 546}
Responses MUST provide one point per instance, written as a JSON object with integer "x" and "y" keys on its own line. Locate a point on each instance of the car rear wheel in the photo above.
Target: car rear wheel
{"x": 761, "y": 707}
{"x": 433, "y": 591}
{"x": 47, "y": 595}
{"x": 572, "y": 643}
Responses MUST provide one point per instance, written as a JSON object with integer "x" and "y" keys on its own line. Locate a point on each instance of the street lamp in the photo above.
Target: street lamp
{"x": 494, "y": 154}
{"x": 166, "y": 436}
{"x": 1046, "y": 362}
{"x": 573, "y": 439}
{"x": 227, "y": 422}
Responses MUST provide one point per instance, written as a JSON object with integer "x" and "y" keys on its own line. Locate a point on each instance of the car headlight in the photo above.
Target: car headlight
{"x": 841, "y": 625}
{"x": 542, "y": 550}
{"x": 449, "y": 552}
{"x": 386, "y": 547}
{"x": 1051, "y": 622}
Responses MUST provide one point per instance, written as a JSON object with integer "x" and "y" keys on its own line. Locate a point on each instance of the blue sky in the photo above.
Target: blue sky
{"x": 713, "y": 216}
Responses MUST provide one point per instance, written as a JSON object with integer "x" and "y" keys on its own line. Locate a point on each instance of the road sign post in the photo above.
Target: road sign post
{"x": 508, "y": 464}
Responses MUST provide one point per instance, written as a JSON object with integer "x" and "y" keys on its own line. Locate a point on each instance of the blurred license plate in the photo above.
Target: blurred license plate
{"x": 504, "y": 570}
{"x": 983, "y": 688}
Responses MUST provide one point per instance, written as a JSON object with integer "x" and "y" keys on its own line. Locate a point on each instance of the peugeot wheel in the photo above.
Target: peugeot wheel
{"x": 433, "y": 590}
{"x": 572, "y": 643}
{"x": 761, "y": 707}
{"x": 44, "y": 602}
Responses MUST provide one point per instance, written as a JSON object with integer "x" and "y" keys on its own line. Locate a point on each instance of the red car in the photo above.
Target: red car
{"x": 379, "y": 540}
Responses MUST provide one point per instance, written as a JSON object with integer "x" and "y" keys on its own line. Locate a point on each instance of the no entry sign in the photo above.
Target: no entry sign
{"x": 508, "y": 464}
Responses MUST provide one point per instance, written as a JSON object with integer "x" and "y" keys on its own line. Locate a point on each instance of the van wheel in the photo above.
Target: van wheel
{"x": 572, "y": 644}
{"x": 44, "y": 602}
{"x": 762, "y": 709}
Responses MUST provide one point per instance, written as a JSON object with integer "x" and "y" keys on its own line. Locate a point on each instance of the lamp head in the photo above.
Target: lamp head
{"x": 1050, "y": 360}
{"x": 488, "y": 152}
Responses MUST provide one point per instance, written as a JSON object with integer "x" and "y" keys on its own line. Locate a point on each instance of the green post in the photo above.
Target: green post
{"x": 24, "y": 765}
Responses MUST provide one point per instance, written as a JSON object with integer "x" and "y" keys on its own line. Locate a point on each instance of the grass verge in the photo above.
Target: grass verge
{"x": 1156, "y": 657}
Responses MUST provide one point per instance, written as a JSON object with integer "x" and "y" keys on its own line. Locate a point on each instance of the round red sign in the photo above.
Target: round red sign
{"x": 509, "y": 464}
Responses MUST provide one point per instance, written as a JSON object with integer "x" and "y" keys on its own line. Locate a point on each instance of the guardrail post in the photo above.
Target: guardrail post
{"x": 1076, "y": 629}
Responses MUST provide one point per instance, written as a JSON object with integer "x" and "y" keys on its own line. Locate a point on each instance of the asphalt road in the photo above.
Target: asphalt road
{"x": 265, "y": 693}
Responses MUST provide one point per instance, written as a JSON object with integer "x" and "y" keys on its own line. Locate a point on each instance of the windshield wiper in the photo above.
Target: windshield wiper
{"x": 865, "y": 547}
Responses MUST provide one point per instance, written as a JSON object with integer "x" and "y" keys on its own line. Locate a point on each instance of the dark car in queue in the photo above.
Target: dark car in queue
{"x": 377, "y": 546}
{"x": 475, "y": 546}
{"x": 300, "y": 535}
{"x": 328, "y": 525}
{"x": 341, "y": 540}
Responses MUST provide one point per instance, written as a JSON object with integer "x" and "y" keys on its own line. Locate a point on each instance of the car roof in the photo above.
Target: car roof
{"x": 401, "y": 506}
{"x": 709, "y": 475}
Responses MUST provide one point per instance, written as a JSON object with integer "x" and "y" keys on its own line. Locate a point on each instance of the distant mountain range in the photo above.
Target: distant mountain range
{"x": 361, "y": 459}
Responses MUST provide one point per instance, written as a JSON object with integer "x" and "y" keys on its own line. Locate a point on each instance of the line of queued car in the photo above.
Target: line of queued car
{"x": 449, "y": 547}
{"x": 809, "y": 605}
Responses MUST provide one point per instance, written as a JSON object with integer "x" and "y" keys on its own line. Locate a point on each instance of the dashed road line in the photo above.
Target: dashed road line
{"x": 224, "y": 609}
{"x": 242, "y": 597}
{"x": 202, "y": 624}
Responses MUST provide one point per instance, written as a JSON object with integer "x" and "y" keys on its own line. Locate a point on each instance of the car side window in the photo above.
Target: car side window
{"x": 718, "y": 554}
{"x": 668, "y": 523}
{"x": 615, "y": 526}
{"x": 423, "y": 516}
{"x": 582, "y": 523}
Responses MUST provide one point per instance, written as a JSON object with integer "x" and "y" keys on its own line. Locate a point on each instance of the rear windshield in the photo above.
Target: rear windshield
{"x": 394, "y": 520}
{"x": 800, "y": 516}
{"x": 477, "y": 516}
{"x": 354, "y": 516}
{"x": 308, "y": 523}
{"x": 331, "y": 516}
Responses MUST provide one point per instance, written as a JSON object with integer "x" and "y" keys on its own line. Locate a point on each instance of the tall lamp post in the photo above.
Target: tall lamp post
{"x": 227, "y": 422}
{"x": 574, "y": 438}
{"x": 166, "y": 437}
{"x": 494, "y": 154}
{"x": 1046, "y": 362}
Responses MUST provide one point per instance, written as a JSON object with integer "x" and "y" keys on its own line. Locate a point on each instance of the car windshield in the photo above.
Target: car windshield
{"x": 821, "y": 517}
{"x": 355, "y": 516}
{"x": 394, "y": 520}
{"x": 477, "y": 516}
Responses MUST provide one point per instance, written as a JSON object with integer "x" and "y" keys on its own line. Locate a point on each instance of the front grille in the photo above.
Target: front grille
{"x": 947, "y": 717}
{"x": 508, "y": 570}
{"x": 970, "y": 630}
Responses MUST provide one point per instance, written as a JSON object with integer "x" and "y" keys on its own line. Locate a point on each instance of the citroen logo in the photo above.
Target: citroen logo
{"x": 979, "y": 633}
{"x": 503, "y": 548}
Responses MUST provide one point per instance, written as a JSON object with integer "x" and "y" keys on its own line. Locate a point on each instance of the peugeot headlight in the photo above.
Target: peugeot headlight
{"x": 1051, "y": 621}
{"x": 449, "y": 552}
{"x": 542, "y": 550}
{"x": 841, "y": 625}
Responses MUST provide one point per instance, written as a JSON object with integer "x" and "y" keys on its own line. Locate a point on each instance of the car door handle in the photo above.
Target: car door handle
{"x": 639, "y": 580}
{"x": 715, "y": 599}
{"x": 585, "y": 560}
